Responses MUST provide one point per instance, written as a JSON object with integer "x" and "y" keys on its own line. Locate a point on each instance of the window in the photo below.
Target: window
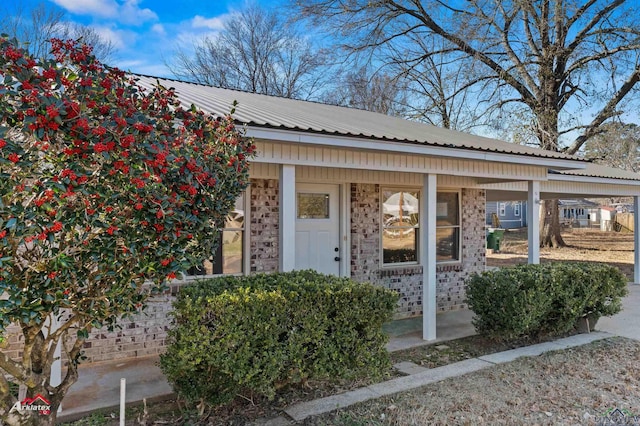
{"x": 313, "y": 206}
{"x": 400, "y": 226}
{"x": 502, "y": 209}
{"x": 516, "y": 209}
{"x": 228, "y": 257}
{"x": 448, "y": 227}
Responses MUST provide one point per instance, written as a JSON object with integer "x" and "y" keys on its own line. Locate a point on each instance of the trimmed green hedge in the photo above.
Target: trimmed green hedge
{"x": 265, "y": 331}
{"x": 529, "y": 301}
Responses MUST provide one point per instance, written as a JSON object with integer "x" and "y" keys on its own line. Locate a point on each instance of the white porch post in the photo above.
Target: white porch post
{"x": 287, "y": 231}
{"x": 533, "y": 221}
{"x": 636, "y": 239}
{"x": 427, "y": 249}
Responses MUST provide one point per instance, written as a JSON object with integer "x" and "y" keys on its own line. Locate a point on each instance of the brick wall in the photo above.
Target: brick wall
{"x": 145, "y": 334}
{"x": 263, "y": 250}
{"x": 407, "y": 280}
{"x": 365, "y": 231}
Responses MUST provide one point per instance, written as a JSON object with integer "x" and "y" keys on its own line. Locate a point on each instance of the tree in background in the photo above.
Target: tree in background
{"x": 45, "y": 22}
{"x": 255, "y": 52}
{"x": 371, "y": 91}
{"x": 618, "y": 145}
{"x": 568, "y": 65}
{"x": 107, "y": 191}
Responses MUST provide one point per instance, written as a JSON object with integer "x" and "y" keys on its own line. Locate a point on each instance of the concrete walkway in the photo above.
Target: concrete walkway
{"x": 98, "y": 386}
{"x": 301, "y": 411}
{"x": 627, "y": 322}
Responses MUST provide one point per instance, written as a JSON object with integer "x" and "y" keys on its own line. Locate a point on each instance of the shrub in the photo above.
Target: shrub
{"x": 265, "y": 331}
{"x": 528, "y": 301}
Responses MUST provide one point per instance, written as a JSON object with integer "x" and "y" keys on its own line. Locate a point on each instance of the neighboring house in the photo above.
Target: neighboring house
{"x": 574, "y": 213}
{"x": 510, "y": 214}
{"x": 579, "y": 213}
{"x": 368, "y": 196}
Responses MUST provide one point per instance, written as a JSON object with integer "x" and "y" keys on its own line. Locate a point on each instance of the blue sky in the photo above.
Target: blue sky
{"x": 146, "y": 32}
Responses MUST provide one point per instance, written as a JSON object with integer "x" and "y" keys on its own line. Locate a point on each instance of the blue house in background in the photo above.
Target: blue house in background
{"x": 510, "y": 214}
{"x": 574, "y": 213}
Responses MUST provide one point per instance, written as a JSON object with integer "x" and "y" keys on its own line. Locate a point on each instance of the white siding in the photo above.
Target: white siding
{"x": 336, "y": 157}
{"x": 339, "y": 175}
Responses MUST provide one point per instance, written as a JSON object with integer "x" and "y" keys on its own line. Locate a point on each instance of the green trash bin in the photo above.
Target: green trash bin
{"x": 491, "y": 240}
{"x": 498, "y": 234}
{"x": 494, "y": 237}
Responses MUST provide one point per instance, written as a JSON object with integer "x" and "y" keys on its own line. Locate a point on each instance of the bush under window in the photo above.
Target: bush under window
{"x": 265, "y": 331}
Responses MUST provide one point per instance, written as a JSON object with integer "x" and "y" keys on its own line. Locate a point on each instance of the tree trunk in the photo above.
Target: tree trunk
{"x": 550, "y": 235}
{"x": 14, "y": 412}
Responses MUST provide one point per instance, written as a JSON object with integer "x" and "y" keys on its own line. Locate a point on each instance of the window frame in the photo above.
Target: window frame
{"x": 244, "y": 265}
{"x": 416, "y": 227}
{"x": 502, "y": 209}
{"x": 458, "y": 193}
{"x": 516, "y": 209}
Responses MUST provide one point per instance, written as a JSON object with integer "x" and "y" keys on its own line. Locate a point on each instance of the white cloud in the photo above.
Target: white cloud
{"x": 158, "y": 29}
{"x": 119, "y": 38}
{"x": 130, "y": 13}
{"x": 101, "y": 8}
{"x": 215, "y": 23}
{"x": 127, "y": 12}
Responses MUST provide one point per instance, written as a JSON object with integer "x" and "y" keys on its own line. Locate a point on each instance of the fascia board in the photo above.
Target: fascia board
{"x": 406, "y": 148}
{"x": 592, "y": 179}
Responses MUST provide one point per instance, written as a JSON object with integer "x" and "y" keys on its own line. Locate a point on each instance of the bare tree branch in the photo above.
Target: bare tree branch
{"x": 256, "y": 52}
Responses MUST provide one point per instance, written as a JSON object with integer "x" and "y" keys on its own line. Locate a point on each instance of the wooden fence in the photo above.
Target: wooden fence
{"x": 624, "y": 222}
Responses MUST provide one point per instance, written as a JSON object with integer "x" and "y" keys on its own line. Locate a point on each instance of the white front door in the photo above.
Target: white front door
{"x": 318, "y": 228}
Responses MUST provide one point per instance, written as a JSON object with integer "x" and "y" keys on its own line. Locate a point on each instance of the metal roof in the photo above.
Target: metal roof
{"x": 289, "y": 114}
{"x": 599, "y": 171}
{"x": 578, "y": 202}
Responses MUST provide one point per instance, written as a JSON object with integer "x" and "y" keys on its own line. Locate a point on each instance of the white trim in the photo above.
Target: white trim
{"x": 592, "y": 179}
{"x": 428, "y": 208}
{"x": 636, "y": 239}
{"x": 345, "y": 229}
{"x": 457, "y": 261}
{"x": 287, "y": 217}
{"x": 533, "y": 221}
{"x": 382, "y": 227}
{"x": 502, "y": 209}
{"x": 406, "y": 148}
{"x": 246, "y": 240}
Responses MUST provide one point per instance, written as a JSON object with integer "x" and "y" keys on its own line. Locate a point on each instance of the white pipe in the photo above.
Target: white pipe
{"x": 123, "y": 391}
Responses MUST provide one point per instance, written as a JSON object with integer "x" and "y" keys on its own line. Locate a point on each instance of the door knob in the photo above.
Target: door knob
{"x": 337, "y": 259}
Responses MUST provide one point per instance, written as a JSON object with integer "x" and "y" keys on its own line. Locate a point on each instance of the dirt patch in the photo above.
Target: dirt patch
{"x": 584, "y": 245}
{"x": 574, "y": 386}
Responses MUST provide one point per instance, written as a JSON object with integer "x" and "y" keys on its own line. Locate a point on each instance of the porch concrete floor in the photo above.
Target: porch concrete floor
{"x": 407, "y": 333}
{"x": 98, "y": 385}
